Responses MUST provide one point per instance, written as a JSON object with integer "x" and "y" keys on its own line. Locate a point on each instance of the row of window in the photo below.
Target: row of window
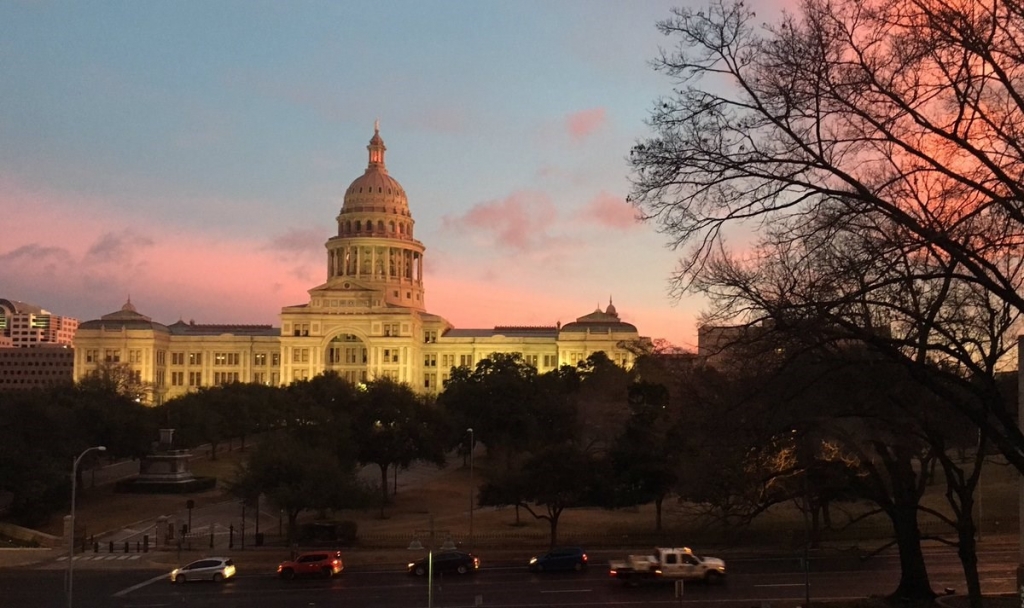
{"x": 195, "y": 379}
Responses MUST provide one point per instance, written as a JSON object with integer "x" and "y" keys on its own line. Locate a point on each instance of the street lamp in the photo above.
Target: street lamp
{"x": 71, "y": 535}
{"x": 471, "y": 490}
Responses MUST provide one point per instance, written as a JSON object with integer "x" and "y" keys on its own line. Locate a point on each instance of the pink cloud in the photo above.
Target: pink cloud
{"x": 584, "y": 123}
{"x": 518, "y": 222}
{"x": 611, "y": 211}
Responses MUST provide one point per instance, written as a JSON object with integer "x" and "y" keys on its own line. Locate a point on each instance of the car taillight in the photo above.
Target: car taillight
{"x": 584, "y": 557}
{"x": 612, "y": 573}
{"x": 334, "y": 562}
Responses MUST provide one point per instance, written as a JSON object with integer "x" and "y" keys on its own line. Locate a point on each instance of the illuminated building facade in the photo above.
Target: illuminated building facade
{"x": 367, "y": 320}
{"x": 34, "y": 346}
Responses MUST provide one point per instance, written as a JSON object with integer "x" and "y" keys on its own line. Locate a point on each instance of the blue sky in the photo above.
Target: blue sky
{"x": 193, "y": 155}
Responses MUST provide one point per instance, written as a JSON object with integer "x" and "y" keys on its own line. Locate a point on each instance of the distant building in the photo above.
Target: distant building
{"x": 368, "y": 320}
{"x": 25, "y": 324}
{"x": 38, "y": 366}
{"x": 35, "y": 346}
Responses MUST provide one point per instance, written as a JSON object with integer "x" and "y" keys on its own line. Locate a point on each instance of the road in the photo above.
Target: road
{"x": 751, "y": 582}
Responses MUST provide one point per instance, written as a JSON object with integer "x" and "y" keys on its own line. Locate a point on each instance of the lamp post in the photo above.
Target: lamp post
{"x": 71, "y": 535}
{"x": 471, "y": 490}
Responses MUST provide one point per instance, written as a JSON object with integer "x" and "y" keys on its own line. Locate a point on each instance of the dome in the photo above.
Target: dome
{"x": 375, "y": 190}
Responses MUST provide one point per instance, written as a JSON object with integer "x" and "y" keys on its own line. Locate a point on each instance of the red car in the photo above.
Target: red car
{"x": 313, "y": 563}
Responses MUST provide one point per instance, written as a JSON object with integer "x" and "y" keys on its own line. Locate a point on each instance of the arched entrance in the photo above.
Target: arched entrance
{"x": 347, "y": 355}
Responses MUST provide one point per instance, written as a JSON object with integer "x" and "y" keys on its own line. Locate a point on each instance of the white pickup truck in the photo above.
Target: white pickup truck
{"x": 668, "y": 564}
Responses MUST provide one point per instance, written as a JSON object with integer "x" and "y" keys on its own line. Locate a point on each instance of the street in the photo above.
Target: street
{"x": 751, "y": 581}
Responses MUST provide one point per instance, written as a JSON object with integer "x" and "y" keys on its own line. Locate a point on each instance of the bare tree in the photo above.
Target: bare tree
{"x": 875, "y": 146}
{"x": 901, "y": 119}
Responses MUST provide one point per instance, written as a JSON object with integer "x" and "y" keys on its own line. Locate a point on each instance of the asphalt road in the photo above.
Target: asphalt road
{"x": 751, "y": 582}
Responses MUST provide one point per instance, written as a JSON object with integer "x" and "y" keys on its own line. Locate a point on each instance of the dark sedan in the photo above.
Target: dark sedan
{"x": 560, "y": 559}
{"x": 451, "y": 561}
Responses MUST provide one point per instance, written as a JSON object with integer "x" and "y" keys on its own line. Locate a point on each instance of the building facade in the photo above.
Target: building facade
{"x": 23, "y": 324}
{"x": 35, "y": 347}
{"x": 367, "y": 320}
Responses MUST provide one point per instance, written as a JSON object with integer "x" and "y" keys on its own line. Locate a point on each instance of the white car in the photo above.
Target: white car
{"x": 216, "y": 569}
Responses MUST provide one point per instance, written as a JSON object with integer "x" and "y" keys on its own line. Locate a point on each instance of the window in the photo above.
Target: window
{"x": 134, "y": 356}
{"x": 531, "y": 359}
{"x": 429, "y": 360}
{"x": 430, "y": 336}
{"x": 92, "y": 356}
{"x": 161, "y": 357}
{"x": 391, "y": 329}
{"x": 225, "y": 377}
{"x": 429, "y": 380}
{"x": 275, "y": 359}
{"x": 259, "y": 359}
{"x": 195, "y": 378}
{"x": 465, "y": 360}
{"x": 301, "y": 374}
{"x": 177, "y": 358}
{"x": 550, "y": 360}
{"x": 225, "y": 358}
{"x": 195, "y": 359}
{"x": 301, "y": 329}
{"x": 390, "y": 355}
{"x": 259, "y": 377}
{"x": 300, "y": 355}
{"x": 112, "y": 356}
{"x": 177, "y": 378}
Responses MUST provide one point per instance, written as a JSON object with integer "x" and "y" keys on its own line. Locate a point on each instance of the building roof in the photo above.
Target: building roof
{"x": 599, "y": 322}
{"x": 506, "y": 331}
{"x": 181, "y": 328}
{"x": 126, "y": 318}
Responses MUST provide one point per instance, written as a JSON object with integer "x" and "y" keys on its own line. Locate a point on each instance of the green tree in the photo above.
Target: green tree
{"x": 296, "y": 476}
{"x": 554, "y": 479}
{"x": 395, "y": 427}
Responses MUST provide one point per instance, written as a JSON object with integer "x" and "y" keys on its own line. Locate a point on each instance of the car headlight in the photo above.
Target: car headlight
{"x": 174, "y": 573}
{"x": 533, "y": 560}
{"x": 411, "y": 565}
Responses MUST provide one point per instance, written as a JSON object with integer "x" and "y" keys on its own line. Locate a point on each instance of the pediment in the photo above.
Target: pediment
{"x": 342, "y": 288}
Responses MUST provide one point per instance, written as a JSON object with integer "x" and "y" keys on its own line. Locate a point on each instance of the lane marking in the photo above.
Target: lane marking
{"x": 124, "y": 592}
{"x": 567, "y": 591}
{"x": 781, "y": 585}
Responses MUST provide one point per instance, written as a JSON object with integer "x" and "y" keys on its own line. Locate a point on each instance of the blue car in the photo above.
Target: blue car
{"x": 560, "y": 559}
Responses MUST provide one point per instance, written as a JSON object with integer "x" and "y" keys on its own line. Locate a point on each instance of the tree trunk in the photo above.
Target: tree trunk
{"x": 383, "y": 488}
{"x": 657, "y": 512}
{"x": 968, "y": 551}
{"x": 914, "y": 584}
{"x": 293, "y": 525}
{"x": 553, "y": 520}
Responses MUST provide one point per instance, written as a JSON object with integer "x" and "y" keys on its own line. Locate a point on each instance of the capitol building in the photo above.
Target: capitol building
{"x": 367, "y": 320}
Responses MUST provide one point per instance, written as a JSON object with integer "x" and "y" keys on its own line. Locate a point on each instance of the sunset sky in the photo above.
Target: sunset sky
{"x": 194, "y": 155}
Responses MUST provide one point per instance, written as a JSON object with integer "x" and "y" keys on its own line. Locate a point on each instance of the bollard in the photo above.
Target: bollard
{"x": 138, "y": 546}
{"x": 211, "y": 537}
{"x": 95, "y": 547}
{"x": 145, "y": 543}
{"x": 126, "y": 546}
{"x": 110, "y": 549}
{"x": 231, "y": 536}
